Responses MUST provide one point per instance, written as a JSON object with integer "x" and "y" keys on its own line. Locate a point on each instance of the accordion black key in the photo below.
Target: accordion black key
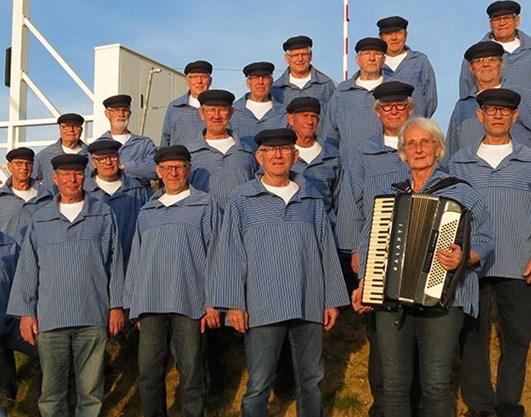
{"x": 406, "y": 232}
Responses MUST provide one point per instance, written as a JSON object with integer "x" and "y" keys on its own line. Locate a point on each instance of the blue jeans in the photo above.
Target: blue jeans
{"x": 84, "y": 347}
{"x": 435, "y": 335}
{"x": 186, "y": 344}
{"x": 262, "y": 349}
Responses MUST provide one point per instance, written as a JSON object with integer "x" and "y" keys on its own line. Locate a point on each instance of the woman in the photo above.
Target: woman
{"x": 433, "y": 333}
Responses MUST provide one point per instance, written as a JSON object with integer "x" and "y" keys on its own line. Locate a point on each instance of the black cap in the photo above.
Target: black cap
{"x": 172, "y": 153}
{"x": 216, "y": 98}
{"x": 71, "y": 118}
{"x": 20, "y": 153}
{"x": 371, "y": 44}
{"x": 499, "y": 8}
{"x": 303, "y": 104}
{"x": 282, "y": 136}
{"x": 259, "y": 68}
{"x": 502, "y": 97}
{"x": 69, "y": 161}
{"x": 104, "y": 147}
{"x": 391, "y": 24}
{"x": 202, "y": 67}
{"x": 297, "y": 42}
{"x": 120, "y": 100}
{"x": 482, "y": 49}
{"x": 393, "y": 91}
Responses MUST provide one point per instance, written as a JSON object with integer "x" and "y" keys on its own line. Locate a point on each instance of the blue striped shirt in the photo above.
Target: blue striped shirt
{"x": 465, "y": 129}
{"x": 350, "y": 117}
{"x": 515, "y": 66}
{"x": 507, "y": 191}
{"x": 181, "y": 123}
{"x": 372, "y": 170}
{"x": 323, "y": 174}
{"x": 169, "y": 256}
{"x": 125, "y": 203}
{"x": 69, "y": 274}
{"x": 276, "y": 261}
{"x": 42, "y": 166}
{"x": 8, "y": 263}
{"x": 15, "y": 213}
{"x": 219, "y": 173}
{"x": 481, "y": 238}
{"x": 416, "y": 70}
{"x": 245, "y": 124}
{"x": 136, "y": 156}
{"x": 320, "y": 87}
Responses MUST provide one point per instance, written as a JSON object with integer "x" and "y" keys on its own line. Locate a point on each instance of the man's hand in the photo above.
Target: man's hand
{"x": 238, "y": 319}
{"x": 356, "y": 300}
{"x": 29, "y": 328}
{"x": 330, "y": 318}
{"x": 451, "y": 258}
{"x": 116, "y": 321}
{"x": 527, "y": 272}
{"x": 210, "y": 320}
{"x": 355, "y": 262}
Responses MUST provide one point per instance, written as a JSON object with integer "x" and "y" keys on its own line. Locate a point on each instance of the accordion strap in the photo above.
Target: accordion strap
{"x": 405, "y": 186}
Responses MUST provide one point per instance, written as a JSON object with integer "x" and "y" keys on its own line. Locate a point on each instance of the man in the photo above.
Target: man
{"x": 67, "y": 290}
{"x": 276, "y": 271}
{"x": 404, "y": 64}
{"x": 70, "y": 129}
{"x": 504, "y": 20}
{"x": 486, "y": 63}
{"x": 257, "y": 110}
{"x": 182, "y": 121}
{"x": 500, "y": 168}
{"x": 350, "y": 118}
{"x": 220, "y": 160}
{"x": 374, "y": 167}
{"x": 318, "y": 162}
{"x": 136, "y": 152}
{"x": 173, "y": 233}
{"x": 124, "y": 194}
{"x": 301, "y": 78}
{"x": 20, "y": 198}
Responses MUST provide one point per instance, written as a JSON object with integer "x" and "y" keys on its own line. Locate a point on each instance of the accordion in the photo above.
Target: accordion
{"x": 407, "y": 230}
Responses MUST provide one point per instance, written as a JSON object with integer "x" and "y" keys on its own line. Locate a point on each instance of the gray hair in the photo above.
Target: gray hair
{"x": 429, "y": 126}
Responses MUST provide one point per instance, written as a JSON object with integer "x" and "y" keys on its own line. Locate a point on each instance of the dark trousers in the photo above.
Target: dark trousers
{"x": 513, "y": 301}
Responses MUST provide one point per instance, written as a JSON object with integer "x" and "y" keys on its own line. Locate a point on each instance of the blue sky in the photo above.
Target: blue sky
{"x": 233, "y": 33}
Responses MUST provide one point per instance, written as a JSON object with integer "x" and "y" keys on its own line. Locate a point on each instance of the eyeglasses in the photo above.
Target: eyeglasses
{"x": 423, "y": 143}
{"x": 272, "y": 150}
{"x": 299, "y": 55}
{"x": 119, "y": 109}
{"x": 493, "y": 110}
{"x": 170, "y": 168}
{"x": 485, "y": 59}
{"x": 377, "y": 54}
{"x": 196, "y": 77}
{"x": 397, "y": 106}
{"x": 70, "y": 126}
{"x": 502, "y": 18}
{"x": 21, "y": 163}
{"x": 106, "y": 158}
{"x": 223, "y": 111}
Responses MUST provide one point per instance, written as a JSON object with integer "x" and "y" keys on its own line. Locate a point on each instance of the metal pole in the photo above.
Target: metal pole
{"x": 146, "y": 103}
{"x": 346, "y": 20}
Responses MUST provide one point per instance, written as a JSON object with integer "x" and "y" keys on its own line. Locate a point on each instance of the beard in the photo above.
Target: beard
{"x": 120, "y": 124}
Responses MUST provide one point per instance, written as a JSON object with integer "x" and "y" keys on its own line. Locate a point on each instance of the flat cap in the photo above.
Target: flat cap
{"x": 20, "y": 153}
{"x": 172, "y": 153}
{"x": 370, "y": 44}
{"x": 502, "y": 97}
{"x": 120, "y": 100}
{"x": 202, "y": 67}
{"x": 391, "y": 24}
{"x": 297, "y": 42}
{"x": 69, "y": 161}
{"x": 259, "y": 68}
{"x": 303, "y": 104}
{"x": 499, "y": 8}
{"x": 282, "y": 136}
{"x": 71, "y": 118}
{"x": 483, "y": 49}
{"x": 216, "y": 98}
{"x": 104, "y": 147}
{"x": 393, "y": 91}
